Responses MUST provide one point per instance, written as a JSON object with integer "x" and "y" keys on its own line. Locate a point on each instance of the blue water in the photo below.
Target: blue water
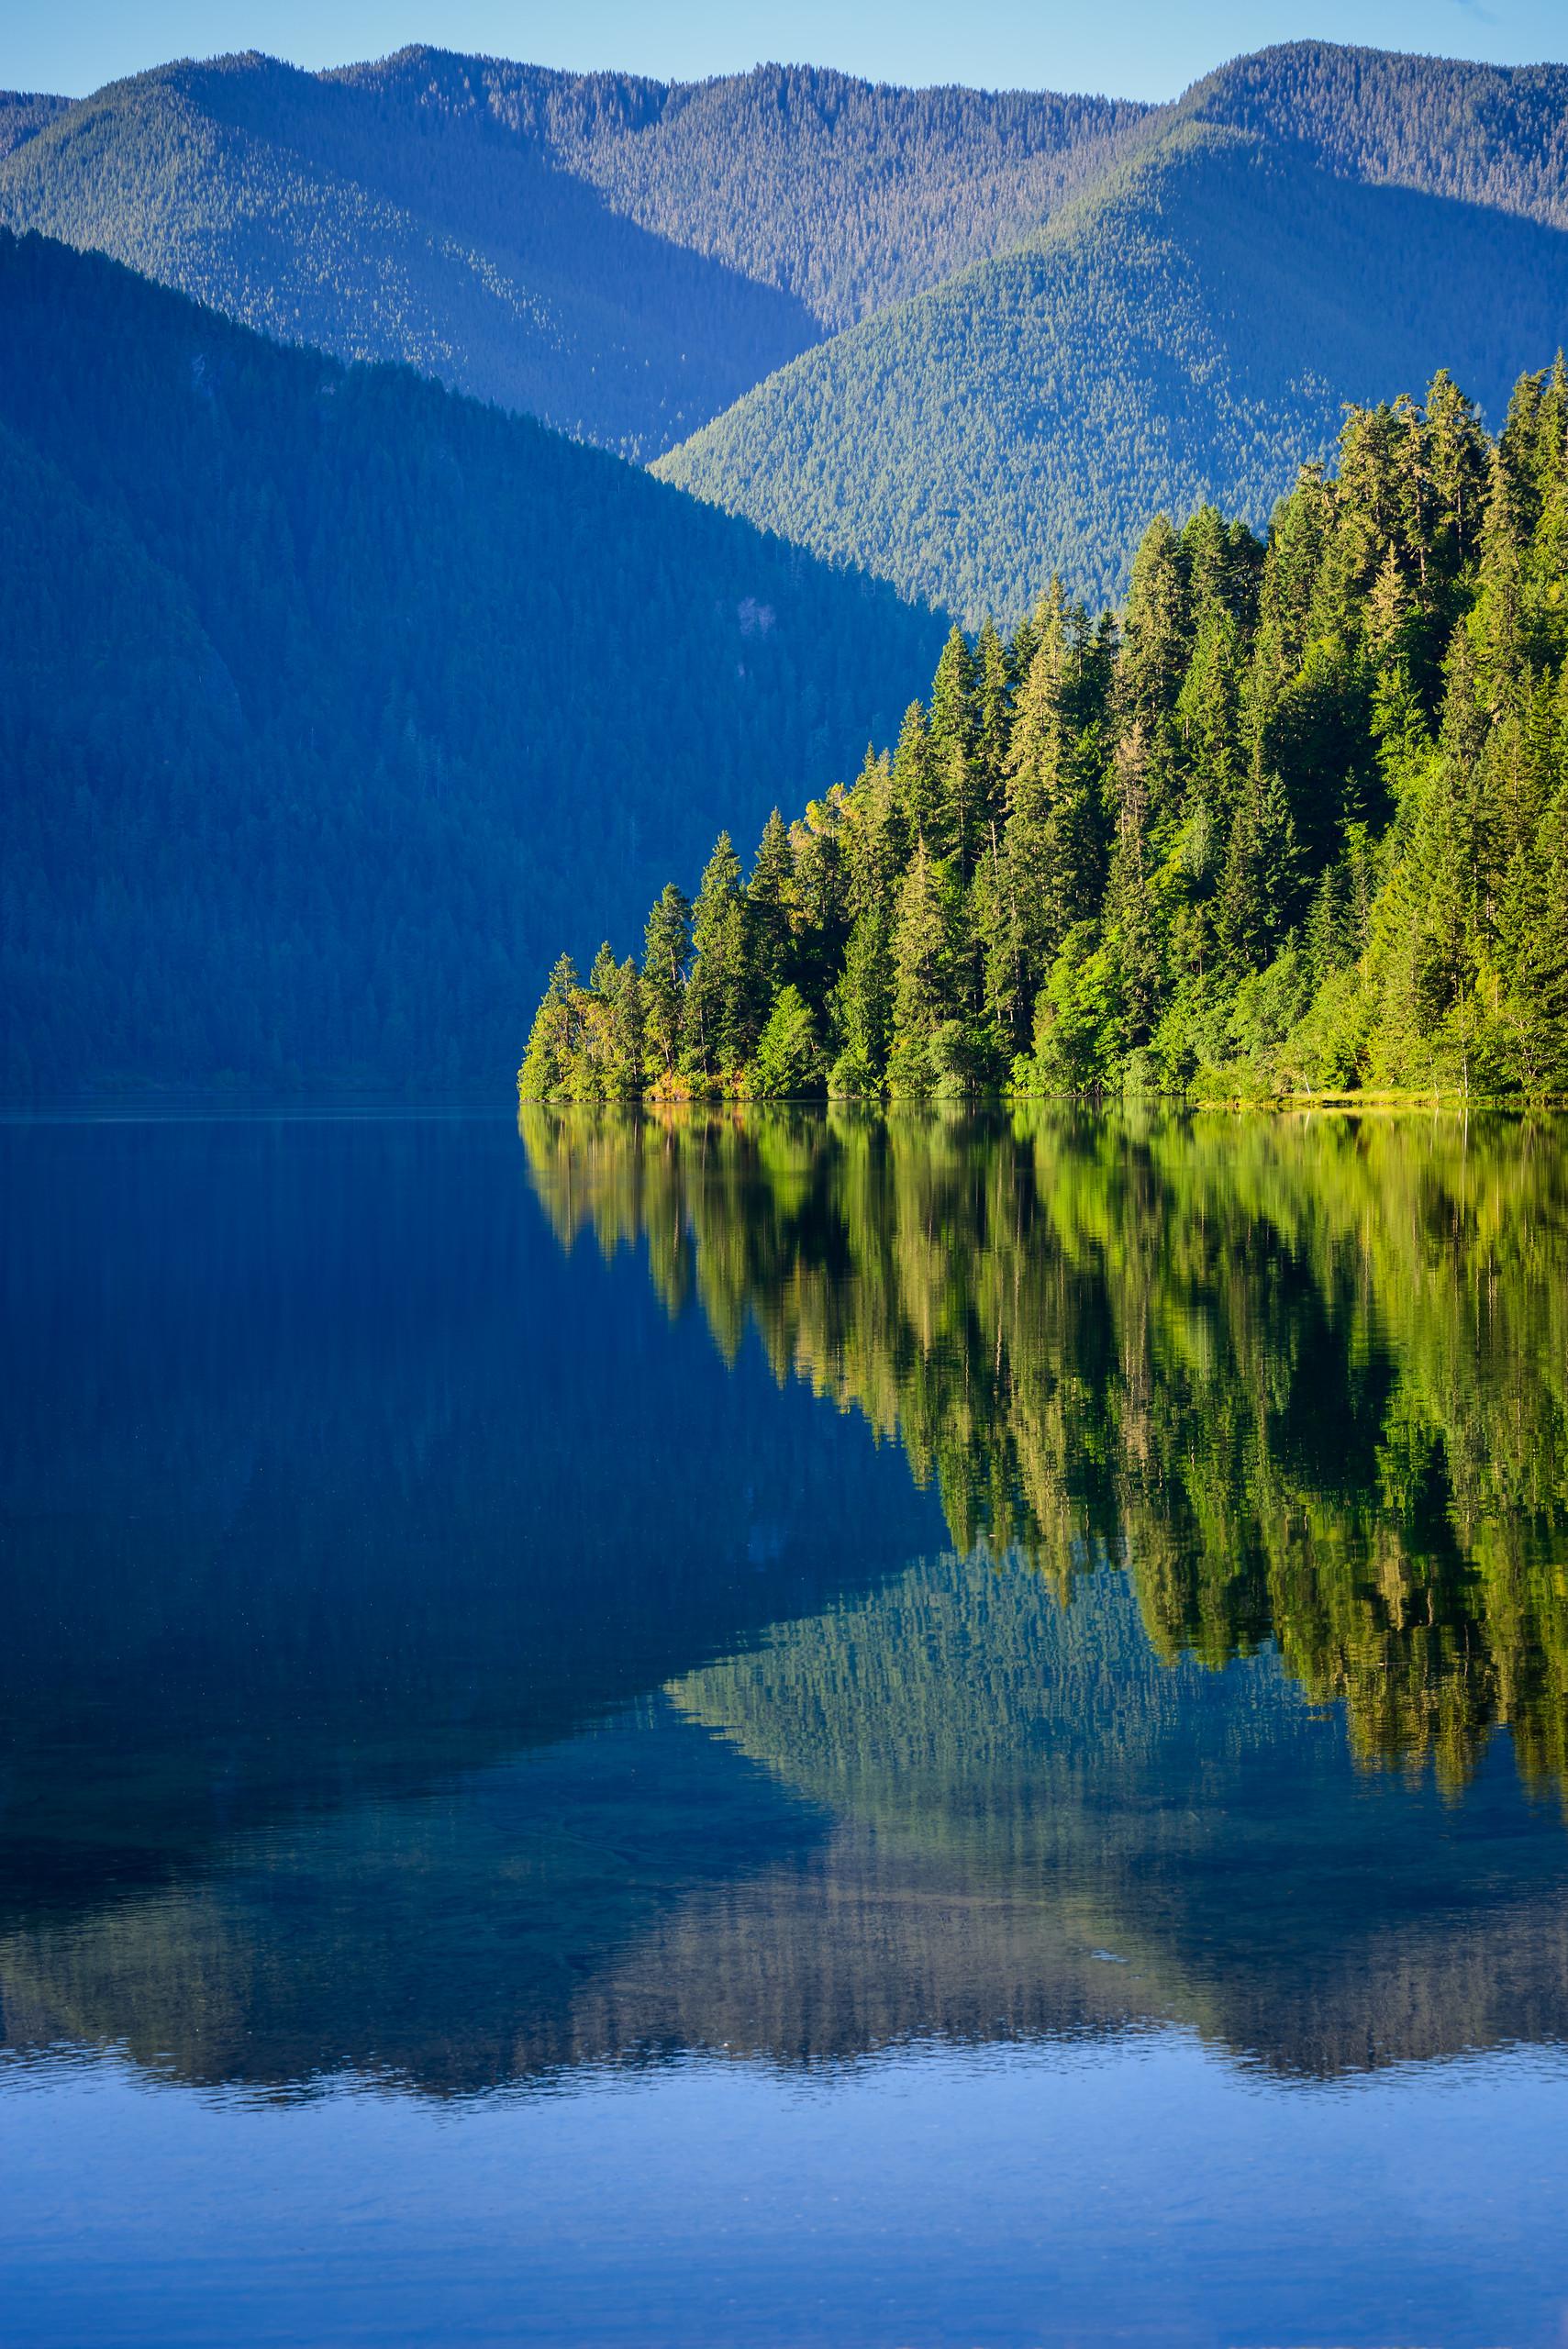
{"x": 593, "y": 1748}
{"x": 1141, "y": 2191}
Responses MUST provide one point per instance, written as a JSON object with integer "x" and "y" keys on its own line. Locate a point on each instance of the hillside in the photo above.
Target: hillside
{"x": 1186, "y": 331}
{"x": 1294, "y": 820}
{"x": 333, "y": 698}
{"x": 621, "y": 258}
{"x": 959, "y": 338}
{"x": 849, "y": 195}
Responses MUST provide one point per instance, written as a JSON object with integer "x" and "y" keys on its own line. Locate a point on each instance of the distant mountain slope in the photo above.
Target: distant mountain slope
{"x": 621, "y": 258}
{"x": 849, "y": 195}
{"x": 333, "y": 701}
{"x": 1182, "y": 331}
{"x": 1486, "y": 134}
{"x": 23, "y": 114}
{"x": 293, "y": 205}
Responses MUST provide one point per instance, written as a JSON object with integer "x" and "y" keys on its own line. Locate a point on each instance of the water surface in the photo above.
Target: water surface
{"x": 758, "y": 1728}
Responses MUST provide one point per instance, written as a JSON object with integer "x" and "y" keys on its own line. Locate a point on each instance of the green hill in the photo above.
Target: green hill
{"x": 621, "y": 258}
{"x": 1185, "y": 331}
{"x": 333, "y": 698}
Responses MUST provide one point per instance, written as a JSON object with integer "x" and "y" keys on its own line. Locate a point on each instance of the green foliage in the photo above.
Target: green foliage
{"x": 786, "y": 1063}
{"x": 1072, "y": 1017}
{"x": 588, "y": 1044}
{"x": 716, "y": 1019}
{"x": 1296, "y": 822}
{"x": 666, "y": 952}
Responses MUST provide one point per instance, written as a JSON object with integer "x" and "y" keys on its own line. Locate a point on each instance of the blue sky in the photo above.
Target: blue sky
{"x": 1143, "y": 48}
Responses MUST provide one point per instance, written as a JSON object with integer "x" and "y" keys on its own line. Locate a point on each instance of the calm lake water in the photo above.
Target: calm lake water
{"x": 780, "y": 1729}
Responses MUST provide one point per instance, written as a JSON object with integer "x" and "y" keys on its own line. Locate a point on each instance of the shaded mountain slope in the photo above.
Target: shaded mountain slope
{"x": 295, "y": 205}
{"x": 621, "y": 258}
{"x": 1183, "y": 332}
{"x": 332, "y": 699}
{"x": 849, "y": 195}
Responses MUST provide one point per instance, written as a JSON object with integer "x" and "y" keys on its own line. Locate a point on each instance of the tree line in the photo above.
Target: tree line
{"x": 1294, "y": 820}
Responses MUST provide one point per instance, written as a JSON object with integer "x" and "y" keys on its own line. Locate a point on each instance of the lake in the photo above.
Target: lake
{"x": 755, "y": 1728}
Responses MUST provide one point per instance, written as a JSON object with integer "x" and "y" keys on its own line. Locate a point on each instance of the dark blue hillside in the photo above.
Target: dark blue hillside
{"x": 332, "y": 700}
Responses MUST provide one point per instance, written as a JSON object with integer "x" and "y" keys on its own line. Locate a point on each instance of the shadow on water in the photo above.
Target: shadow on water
{"x": 443, "y": 1648}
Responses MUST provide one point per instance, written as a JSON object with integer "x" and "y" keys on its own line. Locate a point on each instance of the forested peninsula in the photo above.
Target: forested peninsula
{"x": 1294, "y": 821}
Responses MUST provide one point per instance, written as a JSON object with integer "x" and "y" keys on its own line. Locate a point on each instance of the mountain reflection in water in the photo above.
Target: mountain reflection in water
{"x": 441, "y": 1652}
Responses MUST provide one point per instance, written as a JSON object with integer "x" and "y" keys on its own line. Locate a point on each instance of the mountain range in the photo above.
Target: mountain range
{"x": 621, "y": 258}
{"x": 960, "y": 338}
{"x": 335, "y": 698}
{"x": 1309, "y": 229}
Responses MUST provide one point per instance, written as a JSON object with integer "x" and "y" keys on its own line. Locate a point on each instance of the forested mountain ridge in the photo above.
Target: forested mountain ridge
{"x": 1187, "y": 329}
{"x": 289, "y": 203}
{"x": 1496, "y": 135}
{"x": 959, "y": 338}
{"x": 1294, "y": 821}
{"x": 331, "y": 697}
{"x": 622, "y": 257}
{"x": 847, "y": 193}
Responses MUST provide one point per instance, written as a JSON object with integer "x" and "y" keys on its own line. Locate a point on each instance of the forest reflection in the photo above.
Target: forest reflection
{"x": 1305, "y": 1378}
{"x": 457, "y": 1677}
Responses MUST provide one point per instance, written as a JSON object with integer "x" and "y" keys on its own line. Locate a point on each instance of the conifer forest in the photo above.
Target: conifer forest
{"x": 1293, "y": 821}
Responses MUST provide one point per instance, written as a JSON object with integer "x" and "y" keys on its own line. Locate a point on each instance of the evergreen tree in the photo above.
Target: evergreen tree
{"x": 1048, "y": 850}
{"x": 992, "y": 729}
{"x": 863, "y": 1004}
{"x": 950, "y": 738}
{"x": 628, "y": 1032}
{"x": 770, "y": 898}
{"x": 721, "y": 992}
{"x": 787, "y": 1063}
{"x": 922, "y": 969}
{"x": 877, "y": 835}
{"x": 915, "y": 780}
{"x": 667, "y": 946}
{"x": 552, "y": 1039}
{"x": 1257, "y": 890}
{"x": 1132, "y": 917}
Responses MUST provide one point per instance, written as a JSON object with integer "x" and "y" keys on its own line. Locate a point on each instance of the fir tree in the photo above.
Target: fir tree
{"x": 770, "y": 896}
{"x": 720, "y": 992}
{"x": 667, "y": 946}
{"x": 922, "y": 969}
{"x": 915, "y": 781}
{"x": 863, "y": 1003}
